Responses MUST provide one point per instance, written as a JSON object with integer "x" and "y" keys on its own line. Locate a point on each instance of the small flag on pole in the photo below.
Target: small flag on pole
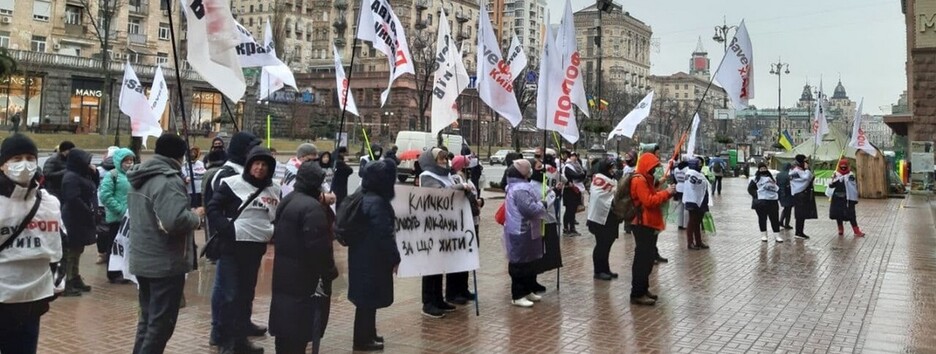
{"x": 786, "y": 140}
{"x": 858, "y": 139}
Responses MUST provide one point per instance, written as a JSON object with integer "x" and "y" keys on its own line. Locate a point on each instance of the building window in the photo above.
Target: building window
{"x": 260, "y": 8}
{"x": 38, "y": 44}
{"x": 135, "y": 3}
{"x": 162, "y": 58}
{"x": 164, "y": 5}
{"x": 251, "y": 21}
{"x": 42, "y": 10}
{"x": 205, "y": 107}
{"x": 6, "y": 7}
{"x": 4, "y": 39}
{"x": 72, "y": 15}
{"x": 164, "y": 31}
{"x": 429, "y": 20}
{"x": 251, "y": 8}
{"x": 134, "y": 25}
{"x": 134, "y": 57}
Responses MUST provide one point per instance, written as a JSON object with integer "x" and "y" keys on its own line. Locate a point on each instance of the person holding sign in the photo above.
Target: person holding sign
{"x": 437, "y": 174}
{"x": 304, "y": 266}
{"x": 374, "y": 258}
{"x": 801, "y": 185}
{"x": 113, "y": 194}
{"x": 26, "y": 280}
{"x": 458, "y": 293}
{"x": 524, "y": 211}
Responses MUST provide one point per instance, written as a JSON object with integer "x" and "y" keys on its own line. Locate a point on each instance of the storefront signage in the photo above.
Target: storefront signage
{"x": 925, "y": 12}
{"x": 87, "y": 87}
{"x": 87, "y": 92}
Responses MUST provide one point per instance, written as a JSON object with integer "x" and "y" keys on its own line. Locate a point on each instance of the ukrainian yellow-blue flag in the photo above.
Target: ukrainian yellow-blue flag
{"x": 786, "y": 140}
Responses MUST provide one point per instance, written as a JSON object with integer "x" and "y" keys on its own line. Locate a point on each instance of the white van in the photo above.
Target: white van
{"x": 415, "y": 140}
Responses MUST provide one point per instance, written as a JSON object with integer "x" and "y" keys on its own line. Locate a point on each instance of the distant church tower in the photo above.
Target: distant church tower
{"x": 699, "y": 64}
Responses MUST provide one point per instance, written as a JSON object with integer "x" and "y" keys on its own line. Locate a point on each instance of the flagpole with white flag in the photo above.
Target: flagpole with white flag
{"x": 134, "y": 104}
{"x": 819, "y": 124}
{"x": 178, "y": 71}
{"x": 450, "y": 78}
{"x": 345, "y": 98}
{"x": 516, "y": 58}
{"x": 495, "y": 84}
{"x": 858, "y": 139}
{"x": 691, "y": 143}
{"x": 628, "y": 125}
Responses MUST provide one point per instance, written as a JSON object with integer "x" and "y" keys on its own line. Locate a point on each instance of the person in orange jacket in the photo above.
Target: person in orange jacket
{"x": 646, "y": 226}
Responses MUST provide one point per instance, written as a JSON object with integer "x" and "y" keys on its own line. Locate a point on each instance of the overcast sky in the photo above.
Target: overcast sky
{"x": 863, "y": 41}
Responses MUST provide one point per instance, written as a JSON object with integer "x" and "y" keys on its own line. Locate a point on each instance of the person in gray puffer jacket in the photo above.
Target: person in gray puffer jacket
{"x": 162, "y": 240}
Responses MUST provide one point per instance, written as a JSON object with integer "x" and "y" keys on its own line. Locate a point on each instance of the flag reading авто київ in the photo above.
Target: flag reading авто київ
{"x": 736, "y": 73}
{"x": 133, "y": 103}
{"x": 628, "y": 125}
{"x": 380, "y": 26}
{"x": 450, "y": 78}
{"x": 858, "y": 138}
{"x": 345, "y": 99}
{"x": 212, "y": 38}
{"x": 495, "y": 81}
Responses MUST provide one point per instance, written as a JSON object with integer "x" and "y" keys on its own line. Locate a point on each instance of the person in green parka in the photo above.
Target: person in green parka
{"x": 113, "y": 194}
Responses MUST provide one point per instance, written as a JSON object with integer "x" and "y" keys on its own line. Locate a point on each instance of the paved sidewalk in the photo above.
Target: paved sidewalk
{"x": 829, "y": 294}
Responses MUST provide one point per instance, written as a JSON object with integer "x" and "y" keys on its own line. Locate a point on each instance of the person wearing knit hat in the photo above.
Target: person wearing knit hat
{"x": 163, "y": 247}
{"x": 28, "y": 281}
{"x": 54, "y": 168}
{"x": 801, "y": 186}
{"x": 844, "y": 192}
{"x": 457, "y": 290}
{"x": 765, "y": 191}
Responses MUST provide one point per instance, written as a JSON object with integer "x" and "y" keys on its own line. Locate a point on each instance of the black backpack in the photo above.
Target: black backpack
{"x": 350, "y": 221}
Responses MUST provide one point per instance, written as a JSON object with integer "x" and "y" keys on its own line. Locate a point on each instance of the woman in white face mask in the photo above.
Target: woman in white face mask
{"x": 29, "y": 241}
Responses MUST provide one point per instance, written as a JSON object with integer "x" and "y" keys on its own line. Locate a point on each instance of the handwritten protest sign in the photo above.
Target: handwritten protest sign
{"x": 435, "y": 232}
{"x": 119, "y": 260}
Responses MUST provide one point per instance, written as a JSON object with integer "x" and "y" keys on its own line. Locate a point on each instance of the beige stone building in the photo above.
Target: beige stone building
{"x": 626, "y": 46}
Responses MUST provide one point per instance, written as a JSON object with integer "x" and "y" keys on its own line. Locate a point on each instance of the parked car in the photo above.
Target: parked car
{"x": 408, "y": 140}
{"x": 498, "y": 157}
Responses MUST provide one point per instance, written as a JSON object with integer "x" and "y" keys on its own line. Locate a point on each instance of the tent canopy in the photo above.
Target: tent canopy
{"x": 830, "y": 149}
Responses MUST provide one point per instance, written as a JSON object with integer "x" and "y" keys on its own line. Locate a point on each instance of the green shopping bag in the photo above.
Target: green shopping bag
{"x": 708, "y": 223}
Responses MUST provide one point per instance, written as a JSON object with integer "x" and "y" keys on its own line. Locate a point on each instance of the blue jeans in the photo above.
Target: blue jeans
{"x": 234, "y": 289}
{"x": 19, "y": 336}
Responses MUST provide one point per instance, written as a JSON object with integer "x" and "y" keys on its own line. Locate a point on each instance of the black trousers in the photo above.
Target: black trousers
{"x": 645, "y": 240}
{"x": 159, "y": 310}
{"x": 104, "y": 245}
{"x": 432, "y": 286}
{"x": 522, "y": 279}
{"x": 785, "y": 215}
{"x": 235, "y": 287}
{"x": 568, "y": 217}
{"x": 767, "y": 210}
{"x": 285, "y": 345}
{"x": 602, "y": 252}
{"x": 19, "y": 327}
{"x": 718, "y": 184}
{"x": 693, "y": 228}
{"x": 365, "y": 325}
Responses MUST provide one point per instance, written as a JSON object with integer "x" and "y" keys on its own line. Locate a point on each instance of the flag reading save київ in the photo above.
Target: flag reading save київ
{"x": 133, "y": 103}
{"x": 736, "y": 72}
{"x": 495, "y": 81}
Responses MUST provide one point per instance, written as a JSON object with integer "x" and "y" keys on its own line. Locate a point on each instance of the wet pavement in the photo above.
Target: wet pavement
{"x": 829, "y": 294}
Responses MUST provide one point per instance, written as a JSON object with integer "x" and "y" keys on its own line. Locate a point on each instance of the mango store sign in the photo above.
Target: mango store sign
{"x": 435, "y": 231}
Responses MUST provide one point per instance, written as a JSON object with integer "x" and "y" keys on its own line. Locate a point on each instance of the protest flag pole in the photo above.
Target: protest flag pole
{"x": 268, "y": 131}
{"x": 233, "y": 119}
{"x": 474, "y": 275}
{"x": 178, "y": 72}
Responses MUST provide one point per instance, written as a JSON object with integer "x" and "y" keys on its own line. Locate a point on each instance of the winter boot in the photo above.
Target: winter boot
{"x": 841, "y": 228}
{"x": 858, "y": 232}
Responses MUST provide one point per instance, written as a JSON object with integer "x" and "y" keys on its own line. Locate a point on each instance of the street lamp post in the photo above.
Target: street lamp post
{"x": 721, "y": 36}
{"x": 779, "y": 68}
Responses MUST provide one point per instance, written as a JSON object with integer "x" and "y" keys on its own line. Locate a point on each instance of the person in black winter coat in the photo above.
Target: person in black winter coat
{"x": 571, "y": 194}
{"x": 373, "y": 260}
{"x": 79, "y": 201}
{"x": 378, "y": 155}
{"x": 304, "y": 266}
{"x": 54, "y": 168}
{"x": 786, "y": 196}
{"x": 339, "y": 184}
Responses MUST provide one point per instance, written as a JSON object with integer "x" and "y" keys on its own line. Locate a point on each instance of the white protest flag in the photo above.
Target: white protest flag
{"x": 573, "y": 88}
{"x": 495, "y": 82}
{"x": 274, "y": 77}
{"x": 628, "y": 125}
{"x": 858, "y": 138}
{"x": 550, "y": 100}
{"x": 211, "y": 40}
{"x": 133, "y": 103}
{"x": 380, "y": 26}
{"x": 159, "y": 94}
{"x": 516, "y": 58}
{"x": 819, "y": 124}
{"x": 735, "y": 74}
{"x": 450, "y": 80}
{"x": 691, "y": 143}
{"x": 345, "y": 99}
{"x": 250, "y": 53}
{"x": 119, "y": 260}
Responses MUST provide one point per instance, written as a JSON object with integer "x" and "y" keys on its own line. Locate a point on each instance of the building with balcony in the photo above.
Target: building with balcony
{"x": 625, "y": 48}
